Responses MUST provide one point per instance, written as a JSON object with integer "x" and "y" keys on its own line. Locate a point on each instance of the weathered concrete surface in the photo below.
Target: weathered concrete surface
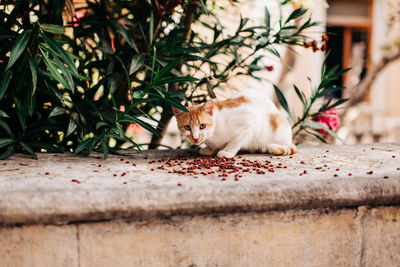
{"x": 38, "y": 245}
{"x": 29, "y": 196}
{"x": 364, "y": 236}
{"x": 144, "y": 218}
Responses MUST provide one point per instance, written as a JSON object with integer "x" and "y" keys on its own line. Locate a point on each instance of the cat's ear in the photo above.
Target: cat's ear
{"x": 209, "y": 107}
{"x": 177, "y": 112}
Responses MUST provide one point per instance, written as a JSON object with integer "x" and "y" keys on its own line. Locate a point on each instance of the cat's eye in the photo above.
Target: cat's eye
{"x": 202, "y": 126}
{"x": 187, "y": 127}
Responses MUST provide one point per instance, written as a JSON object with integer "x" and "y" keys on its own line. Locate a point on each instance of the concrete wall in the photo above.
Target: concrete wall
{"x": 324, "y": 237}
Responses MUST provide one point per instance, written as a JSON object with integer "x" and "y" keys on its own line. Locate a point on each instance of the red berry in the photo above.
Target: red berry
{"x": 75, "y": 181}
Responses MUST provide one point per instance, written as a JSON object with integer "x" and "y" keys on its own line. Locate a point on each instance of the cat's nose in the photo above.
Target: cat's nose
{"x": 195, "y": 140}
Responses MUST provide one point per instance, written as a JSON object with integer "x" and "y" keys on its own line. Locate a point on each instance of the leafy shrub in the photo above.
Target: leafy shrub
{"x": 74, "y": 84}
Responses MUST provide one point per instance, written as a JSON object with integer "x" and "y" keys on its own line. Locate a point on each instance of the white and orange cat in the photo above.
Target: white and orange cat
{"x": 246, "y": 121}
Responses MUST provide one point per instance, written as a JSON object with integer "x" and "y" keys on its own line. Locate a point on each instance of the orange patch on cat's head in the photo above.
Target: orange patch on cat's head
{"x": 197, "y": 115}
{"x": 231, "y": 103}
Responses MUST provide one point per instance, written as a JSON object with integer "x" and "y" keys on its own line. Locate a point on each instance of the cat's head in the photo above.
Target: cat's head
{"x": 197, "y": 124}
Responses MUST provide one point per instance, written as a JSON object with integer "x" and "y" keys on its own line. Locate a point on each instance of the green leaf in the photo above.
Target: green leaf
{"x": 144, "y": 124}
{"x": 295, "y": 14}
{"x": 282, "y": 99}
{"x": 138, "y": 94}
{"x": 73, "y": 123}
{"x": 34, "y": 70}
{"x": 9, "y": 152}
{"x": 20, "y": 112}
{"x": 58, "y": 51}
{"x": 127, "y": 36}
{"x": 273, "y": 51}
{"x": 18, "y": 47}
{"x": 318, "y": 125}
{"x": 55, "y": 73}
{"x": 167, "y": 69}
{"x": 52, "y": 28}
{"x": 176, "y": 79}
{"x": 57, "y": 111}
{"x": 172, "y": 102}
{"x": 151, "y": 27}
{"x": 3, "y": 114}
{"x": 5, "y": 78}
{"x": 28, "y": 149}
{"x": 337, "y": 103}
{"x": 6, "y": 141}
{"x": 317, "y": 136}
{"x": 136, "y": 63}
{"x": 65, "y": 73}
{"x": 84, "y": 145}
{"x": 267, "y": 21}
{"x": 299, "y": 94}
{"x": 104, "y": 144}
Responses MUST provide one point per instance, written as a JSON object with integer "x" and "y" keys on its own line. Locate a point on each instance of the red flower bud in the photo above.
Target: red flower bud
{"x": 323, "y": 48}
{"x": 269, "y": 68}
{"x": 325, "y": 38}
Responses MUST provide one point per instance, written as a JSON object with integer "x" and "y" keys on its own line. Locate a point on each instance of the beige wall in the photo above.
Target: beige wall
{"x": 393, "y": 90}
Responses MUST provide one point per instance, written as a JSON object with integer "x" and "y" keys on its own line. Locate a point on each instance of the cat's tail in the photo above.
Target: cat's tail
{"x": 282, "y": 150}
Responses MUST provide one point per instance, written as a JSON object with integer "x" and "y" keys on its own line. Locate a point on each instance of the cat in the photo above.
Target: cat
{"x": 246, "y": 121}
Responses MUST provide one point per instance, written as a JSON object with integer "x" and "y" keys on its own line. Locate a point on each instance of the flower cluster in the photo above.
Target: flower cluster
{"x": 330, "y": 118}
{"x": 314, "y": 44}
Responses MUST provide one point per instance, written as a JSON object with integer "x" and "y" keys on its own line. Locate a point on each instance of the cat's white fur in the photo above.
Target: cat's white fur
{"x": 245, "y": 127}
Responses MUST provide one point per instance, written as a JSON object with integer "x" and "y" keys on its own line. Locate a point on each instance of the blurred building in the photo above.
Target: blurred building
{"x": 361, "y": 32}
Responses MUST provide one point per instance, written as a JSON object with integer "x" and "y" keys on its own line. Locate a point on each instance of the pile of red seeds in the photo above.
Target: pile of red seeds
{"x": 221, "y": 167}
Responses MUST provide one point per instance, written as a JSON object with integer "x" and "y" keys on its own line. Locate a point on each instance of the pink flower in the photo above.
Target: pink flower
{"x": 331, "y": 119}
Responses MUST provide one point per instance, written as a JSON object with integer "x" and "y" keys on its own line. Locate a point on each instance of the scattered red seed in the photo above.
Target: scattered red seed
{"x": 114, "y": 174}
{"x": 75, "y": 181}
{"x": 47, "y": 173}
{"x": 99, "y": 165}
{"x": 385, "y": 177}
{"x": 179, "y": 184}
{"x": 121, "y": 159}
{"x": 350, "y": 174}
{"x": 370, "y": 172}
{"x": 124, "y": 182}
{"x": 335, "y": 175}
{"x": 337, "y": 170}
{"x": 123, "y": 174}
{"x": 393, "y": 156}
{"x": 134, "y": 165}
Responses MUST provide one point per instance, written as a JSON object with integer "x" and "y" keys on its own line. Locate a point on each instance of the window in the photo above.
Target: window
{"x": 349, "y": 27}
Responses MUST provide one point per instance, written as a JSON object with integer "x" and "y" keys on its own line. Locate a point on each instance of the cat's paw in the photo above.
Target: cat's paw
{"x": 206, "y": 151}
{"x": 224, "y": 154}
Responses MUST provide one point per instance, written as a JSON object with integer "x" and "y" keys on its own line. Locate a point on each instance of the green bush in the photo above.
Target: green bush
{"x": 71, "y": 85}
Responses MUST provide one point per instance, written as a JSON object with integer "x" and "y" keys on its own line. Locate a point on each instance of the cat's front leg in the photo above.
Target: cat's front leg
{"x": 233, "y": 147}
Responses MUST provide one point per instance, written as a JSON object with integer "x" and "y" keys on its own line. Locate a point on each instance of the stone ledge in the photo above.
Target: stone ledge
{"x": 30, "y": 196}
